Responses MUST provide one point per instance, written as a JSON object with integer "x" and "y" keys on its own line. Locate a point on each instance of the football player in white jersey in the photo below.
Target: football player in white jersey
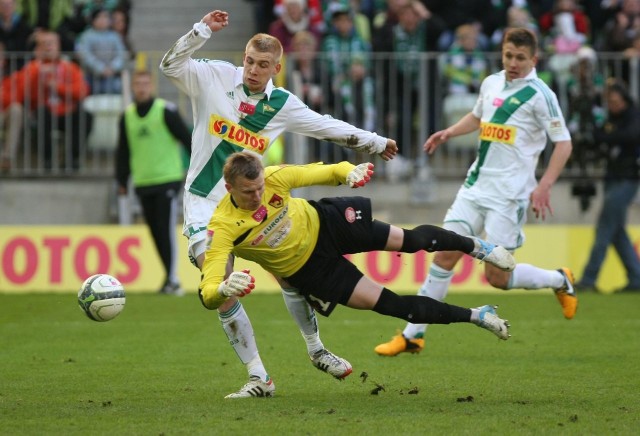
{"x": 239, "y": 109}
{"x": 514, "y": 113}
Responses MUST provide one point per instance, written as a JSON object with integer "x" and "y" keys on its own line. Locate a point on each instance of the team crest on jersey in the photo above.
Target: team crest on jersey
{"x": 260, "y": 214}
{"x": 351, "y": 215}
{"x": 276, "y": 201}
{"x": 267, "y": 108}
{"x": 237, "y": 135}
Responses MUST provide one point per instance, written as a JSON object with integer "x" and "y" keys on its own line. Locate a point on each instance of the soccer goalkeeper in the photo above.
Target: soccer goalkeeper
{"x": 304, "y": 241}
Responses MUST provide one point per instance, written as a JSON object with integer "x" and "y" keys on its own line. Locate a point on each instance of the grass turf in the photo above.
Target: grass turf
{"x": 164, "y": 365}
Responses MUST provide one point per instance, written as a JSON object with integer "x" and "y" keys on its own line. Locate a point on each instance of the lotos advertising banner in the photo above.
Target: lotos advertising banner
{"x": 59, "y": 258}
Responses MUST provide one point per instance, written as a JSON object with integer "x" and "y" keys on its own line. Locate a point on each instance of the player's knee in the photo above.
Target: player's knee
{"x": 498, "y": 279}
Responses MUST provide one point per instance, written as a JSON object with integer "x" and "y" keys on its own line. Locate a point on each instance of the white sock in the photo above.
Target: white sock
{"x": 435, "y": 286}
{"x": 305, "y": 318}
{"x": 239, "y": 331}
{"x": 531, "y": 277}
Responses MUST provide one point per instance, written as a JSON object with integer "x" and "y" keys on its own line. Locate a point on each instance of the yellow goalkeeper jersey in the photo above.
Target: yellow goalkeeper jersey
{"x": 280, "y": 235}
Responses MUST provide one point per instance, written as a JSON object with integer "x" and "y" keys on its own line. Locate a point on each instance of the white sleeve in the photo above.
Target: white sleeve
{"x": 302, "y": 120}
{"x": 177, "y": 63}
{"x": 549, "y": 114}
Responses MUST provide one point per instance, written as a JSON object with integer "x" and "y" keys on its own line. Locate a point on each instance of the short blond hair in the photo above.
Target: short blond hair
{"x": 265, "y": 43}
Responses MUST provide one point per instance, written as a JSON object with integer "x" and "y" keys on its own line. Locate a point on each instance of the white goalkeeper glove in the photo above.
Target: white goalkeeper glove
{"x": 238, "y": 284}
{"x": 360, "y": 175}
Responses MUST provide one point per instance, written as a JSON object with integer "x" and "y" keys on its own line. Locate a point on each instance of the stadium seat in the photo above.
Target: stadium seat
{"x": 106, "y": 110}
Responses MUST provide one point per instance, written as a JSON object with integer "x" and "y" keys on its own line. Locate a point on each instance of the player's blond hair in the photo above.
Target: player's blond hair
{"x": 245, "y": 165}
{"x": 266, "y": 44}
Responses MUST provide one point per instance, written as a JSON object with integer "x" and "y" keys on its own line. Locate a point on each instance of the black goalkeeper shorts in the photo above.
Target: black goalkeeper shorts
{"x": 346, "y": 227}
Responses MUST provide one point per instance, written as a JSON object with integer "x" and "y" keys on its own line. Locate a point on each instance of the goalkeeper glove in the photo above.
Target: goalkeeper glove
{"x": 238, "y": 284}
{"x": 360, "y": 175}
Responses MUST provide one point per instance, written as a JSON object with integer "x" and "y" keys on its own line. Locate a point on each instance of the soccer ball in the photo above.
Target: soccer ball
{"x": 101, "y": 297}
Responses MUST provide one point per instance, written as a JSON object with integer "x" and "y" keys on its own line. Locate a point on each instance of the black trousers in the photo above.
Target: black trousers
{"x": 160, "y": 209}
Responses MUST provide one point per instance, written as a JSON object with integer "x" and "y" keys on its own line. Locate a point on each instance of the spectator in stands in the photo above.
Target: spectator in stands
{"x": 88, "y": 7}
{"x": 620, "y": 135}
{"x": 517, "y": 16}
{"x": 348, "y": 56}
{"x": 634, "y": 50}
{"x": 361, "y": 22}
{"x": 385, "y": 19}
{"x": 306, "y": 70}
{"x": 103, "y": 54}
{"x": 293, "y": 19}
{"x": 619, "y": 33}
{"x": 52, "y": 89}
{"x": 416, "y": 31}
{"x": 14, "y": 34}
{"x": 466, "y": 65}
{"x": 313, "y": 9}
{"x": 564, "y": 29}
{"x": 621, "y": 29}
{"x": 586, "y": 113}
{"x": 151, "y": 131}
{"x": 455, "y": 13}
{"x": 120, "y": 25}
{"x": 10, "y": 120}
{"x": 53, "y": 15}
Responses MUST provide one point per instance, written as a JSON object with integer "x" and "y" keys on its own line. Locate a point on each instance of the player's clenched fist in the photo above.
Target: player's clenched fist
{"x": 216, "y": 20}
{"x": 239, "y": 284}
{"x": 360, "y": 175}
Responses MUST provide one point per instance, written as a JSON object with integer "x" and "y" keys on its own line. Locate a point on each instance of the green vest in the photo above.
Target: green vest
{"x": 154, "y": 154}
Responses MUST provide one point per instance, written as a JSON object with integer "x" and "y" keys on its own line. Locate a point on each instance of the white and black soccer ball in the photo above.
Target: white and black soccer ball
{"x": 101, "y": 297}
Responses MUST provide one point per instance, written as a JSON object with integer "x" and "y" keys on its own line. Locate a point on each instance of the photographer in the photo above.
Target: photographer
{"x": 620, "y": 136}
{"x": 585, "y": 115}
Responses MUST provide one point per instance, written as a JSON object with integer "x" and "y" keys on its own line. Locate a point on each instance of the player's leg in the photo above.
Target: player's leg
{"x": 440, "y": 273}
{"x": 464, "y": 218}
{"x": 237, "y": 326}
{"x": 431, "y": 238}
{"x": 504, "y": 226}
{"x": 305, "y": 317}
{"x": 369, "y": 295}
{"x": 235, "y": 321}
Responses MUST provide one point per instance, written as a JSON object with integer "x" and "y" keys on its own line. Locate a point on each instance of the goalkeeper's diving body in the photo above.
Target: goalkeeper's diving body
{"x": 304, "y": 241}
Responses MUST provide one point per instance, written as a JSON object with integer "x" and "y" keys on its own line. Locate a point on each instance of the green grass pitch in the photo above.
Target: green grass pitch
{"x": 164, "y": 365}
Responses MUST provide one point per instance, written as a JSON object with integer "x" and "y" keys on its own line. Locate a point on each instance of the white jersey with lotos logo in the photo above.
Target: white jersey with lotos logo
{"x": 516, "y": 118}
{"x": 228, "y": 118}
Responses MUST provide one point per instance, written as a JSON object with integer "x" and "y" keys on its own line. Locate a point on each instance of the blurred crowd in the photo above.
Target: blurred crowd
{"x": 53, "y": 54}
{"x": 335, "y": 49}
{"x": 360, "y": 60}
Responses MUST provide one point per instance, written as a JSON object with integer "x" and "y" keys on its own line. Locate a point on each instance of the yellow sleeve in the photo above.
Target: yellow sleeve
{"x": 214, "y": 267}
{"x": 297, "y": 176}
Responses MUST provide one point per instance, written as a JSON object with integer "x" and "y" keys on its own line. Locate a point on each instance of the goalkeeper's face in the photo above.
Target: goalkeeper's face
{"x": 247, "y": 193}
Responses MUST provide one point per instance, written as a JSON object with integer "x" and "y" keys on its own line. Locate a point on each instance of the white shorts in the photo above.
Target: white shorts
{"x": 197, "y": 214}
{"x": 499, "y": 221}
